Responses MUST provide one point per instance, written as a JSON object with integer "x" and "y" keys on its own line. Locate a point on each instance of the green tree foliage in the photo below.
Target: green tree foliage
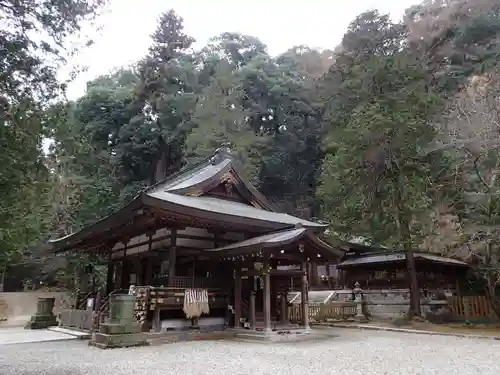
{"x": 380, "y": 157}
{"x": 33, "y": 40}
{"x": 220, "y": 118}
{"x": 358, "y": 131}
{"x": 167, "y": 92}
{"x": 379, "y": 174}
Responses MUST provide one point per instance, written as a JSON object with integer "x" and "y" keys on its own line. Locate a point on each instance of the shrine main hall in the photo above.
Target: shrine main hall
{"x": 204, "y": 245}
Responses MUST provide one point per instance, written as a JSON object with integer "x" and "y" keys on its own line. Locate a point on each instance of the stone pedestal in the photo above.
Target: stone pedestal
{"x": 44, "y": 316}
{"x": 121, "y": 329}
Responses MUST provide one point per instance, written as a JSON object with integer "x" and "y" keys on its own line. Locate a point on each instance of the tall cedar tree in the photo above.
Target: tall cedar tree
{"x": 376, "y": 177}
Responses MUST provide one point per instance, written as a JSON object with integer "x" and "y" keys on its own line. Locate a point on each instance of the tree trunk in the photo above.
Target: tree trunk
{"x": 405, "y": 237}
{"x": 414, "y": 287}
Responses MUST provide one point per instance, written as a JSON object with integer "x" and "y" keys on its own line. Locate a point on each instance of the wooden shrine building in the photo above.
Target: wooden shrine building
{"x": 386, "y": 269}
{"x": 206, "y": 228}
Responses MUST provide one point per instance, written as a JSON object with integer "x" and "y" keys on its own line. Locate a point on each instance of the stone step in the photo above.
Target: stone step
{"x": 162, "y": 338}
{"x": 80, "y": 335}
{"x": 104, "y": 341}
{"x": 278, "y": 336}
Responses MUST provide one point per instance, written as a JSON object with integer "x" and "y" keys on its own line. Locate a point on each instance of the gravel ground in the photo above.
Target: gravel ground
{"x": 352, "y": 352}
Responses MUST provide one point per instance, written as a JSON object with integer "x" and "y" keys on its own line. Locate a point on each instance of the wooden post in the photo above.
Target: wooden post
{"x": 149, "y": 271}
{"x": 284, "y": 308}
{"x": 267, "y": 296}
{"x": 96, "y": 316}
{"x": 172, "y": 258}
{"x": 125, "y": 268}
{"x": 139, "y": 274}
{"x": 304, "y": 297}
{"x": 313, "y": 275}
{"x": 109, "y": 275}
{"x": 252, "y": 309}
{"x": 156, "y": 318}
{"x": 328, "y": 276}
{"x": 237, "y": 296}
{"x": 118, "y": 274}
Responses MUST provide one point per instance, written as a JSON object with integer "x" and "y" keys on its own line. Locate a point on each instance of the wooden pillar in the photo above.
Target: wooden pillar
{"x": 328, "y": 276}
{"x": 149, "y": 271}
{"x": 283, "y": 308}
{"x": 109, "y": 275}
{"x": 267, "y": 296}
{"x": 126, "y": 270}
{"x": 138, "y": 271}
{"x": 252, "y": 309}
{"x": 156, "y": 318}
{"x": 125, "y": 267}
{"x": 304, "y": 308}
{"x": 237, "y": 296}
{"x": 172, "y": 257}
{"x": 313, "y": 275}
{"x": 118, "y": 274}
{"x": 343, "y": 278}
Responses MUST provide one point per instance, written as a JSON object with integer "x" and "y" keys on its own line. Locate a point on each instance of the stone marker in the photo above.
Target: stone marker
{"x": 44, "y": 316}
{"x": 121, "y": 329}
{"x": 358, "y": 300}
{"x": 3, "y": 310}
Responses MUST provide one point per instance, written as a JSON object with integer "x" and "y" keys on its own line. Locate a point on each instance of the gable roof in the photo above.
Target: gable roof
{"x": 280, "y": 238}
{"x": 210, "y": 172}
{"x": 397, "y": 256}
{"x": 181, "y": 193}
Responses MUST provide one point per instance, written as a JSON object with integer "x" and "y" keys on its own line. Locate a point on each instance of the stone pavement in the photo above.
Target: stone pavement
{"x": 379, "y": 327}
{"x": 347, "y": 352}
{"x": 21, "y": 336}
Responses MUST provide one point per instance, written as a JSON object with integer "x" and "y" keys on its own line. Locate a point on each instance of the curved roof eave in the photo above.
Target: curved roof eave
{"x": 203, "y": 207}
{"x": 108, "y": 222}
{"x": 325, "y": 247}
{"x": 214, "y": 208}
{"x": 280, "y": 238}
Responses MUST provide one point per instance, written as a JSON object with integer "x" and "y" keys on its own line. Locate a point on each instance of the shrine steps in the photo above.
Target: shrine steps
{"x": 279, "y": 335}
{"x": 169, "y": 337}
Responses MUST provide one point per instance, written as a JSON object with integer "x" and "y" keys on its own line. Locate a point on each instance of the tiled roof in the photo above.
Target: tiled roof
{"x": 231, "y": 208}
{"x": 396, "y": 257}
{"x": 267, "y": 240}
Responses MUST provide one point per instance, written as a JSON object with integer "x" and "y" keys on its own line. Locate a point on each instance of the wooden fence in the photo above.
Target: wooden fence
{"x": 322, "y": 312}
{"x": 472, "y": 308}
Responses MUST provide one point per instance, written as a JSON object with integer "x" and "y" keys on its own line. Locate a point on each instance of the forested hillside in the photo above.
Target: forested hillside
{"x": 391, "y": 135}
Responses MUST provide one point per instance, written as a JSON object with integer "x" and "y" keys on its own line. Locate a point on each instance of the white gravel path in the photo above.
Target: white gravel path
{"x": 20, "y": 335}
{"x": 351, "y": 353}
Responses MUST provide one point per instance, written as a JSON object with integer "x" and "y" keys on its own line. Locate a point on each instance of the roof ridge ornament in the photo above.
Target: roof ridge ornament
{"x": 221, "y": 153}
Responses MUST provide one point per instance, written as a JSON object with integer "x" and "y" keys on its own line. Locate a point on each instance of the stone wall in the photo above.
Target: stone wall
{"x": 390, "y": 303}
{"x": 20, "y": 306}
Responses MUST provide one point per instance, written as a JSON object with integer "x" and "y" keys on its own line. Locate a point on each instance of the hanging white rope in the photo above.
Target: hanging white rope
{"x": 195, "y": 303}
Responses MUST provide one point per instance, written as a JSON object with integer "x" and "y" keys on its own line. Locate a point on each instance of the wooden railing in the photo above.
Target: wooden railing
{"x": 152, "y": 298}
{"x": 78, "y": 315}
{"x": 81, "y": 299}
{"x": 321, "y": 312}
{"x": 183, "y": 282}
{"x": 471, "y": 308}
